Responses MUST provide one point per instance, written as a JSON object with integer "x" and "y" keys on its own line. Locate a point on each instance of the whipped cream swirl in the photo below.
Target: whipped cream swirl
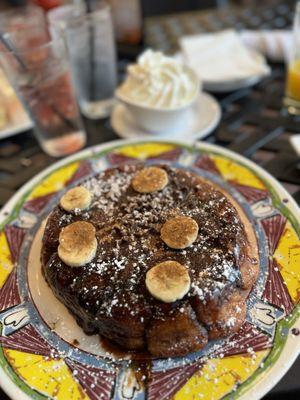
{"x": 159, "y": 81}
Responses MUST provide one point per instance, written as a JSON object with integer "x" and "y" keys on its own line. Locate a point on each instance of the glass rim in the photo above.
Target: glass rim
{"x": 85, "y": 17}
{"x": 56, "y": 15}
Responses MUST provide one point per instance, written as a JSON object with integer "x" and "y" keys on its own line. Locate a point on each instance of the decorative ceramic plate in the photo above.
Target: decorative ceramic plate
{"x": 44, "y": 354}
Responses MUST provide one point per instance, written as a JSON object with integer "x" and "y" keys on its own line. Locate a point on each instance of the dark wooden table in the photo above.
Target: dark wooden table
{"x": 253, "y": 122}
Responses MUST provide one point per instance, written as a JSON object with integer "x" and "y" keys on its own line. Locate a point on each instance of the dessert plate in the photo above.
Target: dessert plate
{"x": 201, "y": 120}
{"x": 45, "y": 355}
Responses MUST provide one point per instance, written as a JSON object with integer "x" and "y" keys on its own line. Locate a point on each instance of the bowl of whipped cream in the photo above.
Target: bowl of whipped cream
{"x": 159, "y": 92}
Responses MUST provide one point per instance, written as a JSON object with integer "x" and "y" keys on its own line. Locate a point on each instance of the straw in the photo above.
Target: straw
{"x": 23, "y": 66}
{"x": 89, "y": 10}
{"x": 9, "y": 48}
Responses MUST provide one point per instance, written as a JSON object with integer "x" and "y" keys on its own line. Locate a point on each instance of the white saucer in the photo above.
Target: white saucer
{"x": 204, "y": 117}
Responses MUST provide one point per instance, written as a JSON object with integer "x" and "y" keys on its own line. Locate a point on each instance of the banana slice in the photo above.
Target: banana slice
{"x": 77, "y": 244}
{"x": 76, "y": 198}
{"x": 179, "y": 232}
{"x": 168, "y": 281}
{"x": 150, "y": 179}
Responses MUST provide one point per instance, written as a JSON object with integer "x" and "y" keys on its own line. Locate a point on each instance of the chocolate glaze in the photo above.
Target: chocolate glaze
{"x": 109, "y": 296}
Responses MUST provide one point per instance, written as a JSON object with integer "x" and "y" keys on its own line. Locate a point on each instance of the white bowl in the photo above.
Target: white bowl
{"x": 157, "y": 120}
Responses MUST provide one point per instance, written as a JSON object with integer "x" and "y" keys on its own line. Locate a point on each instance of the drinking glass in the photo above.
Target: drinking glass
{"x": 40, "y": 75}
{"x": 21, "y": 18}
{"x": 91, "y": 47}
{"x": 292, "y": 90}
{"x": 58, "y": 17}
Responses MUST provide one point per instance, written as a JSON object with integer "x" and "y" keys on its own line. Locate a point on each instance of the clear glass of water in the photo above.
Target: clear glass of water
{"x": 91, "y": 47}
{"x": 39, "y": 72}
{"x": 57, "y": 17}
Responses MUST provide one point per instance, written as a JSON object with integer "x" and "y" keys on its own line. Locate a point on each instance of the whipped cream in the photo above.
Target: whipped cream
{"x": 159, "y": 81}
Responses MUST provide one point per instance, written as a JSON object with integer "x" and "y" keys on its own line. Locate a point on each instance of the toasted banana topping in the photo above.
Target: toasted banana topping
{"x": 168, "y": 281}
{"x": 179, "y": 232}
{"x": 77, "y": 244}
{"x": 150, "y": 179}
{"x": 76, "y": 198}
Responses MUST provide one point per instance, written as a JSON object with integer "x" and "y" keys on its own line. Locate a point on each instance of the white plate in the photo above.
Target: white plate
{"x": 20, "y": 121}
{"x": 230, "y": 86}
{"x": 203, "y": 119}
{"x": 295, "y": 142}
{"x": 223, "y": 86}
{"x": 13, "y": 129}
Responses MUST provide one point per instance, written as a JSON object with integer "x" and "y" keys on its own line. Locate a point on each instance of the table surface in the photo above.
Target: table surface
{"x": 253, "y": 122}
